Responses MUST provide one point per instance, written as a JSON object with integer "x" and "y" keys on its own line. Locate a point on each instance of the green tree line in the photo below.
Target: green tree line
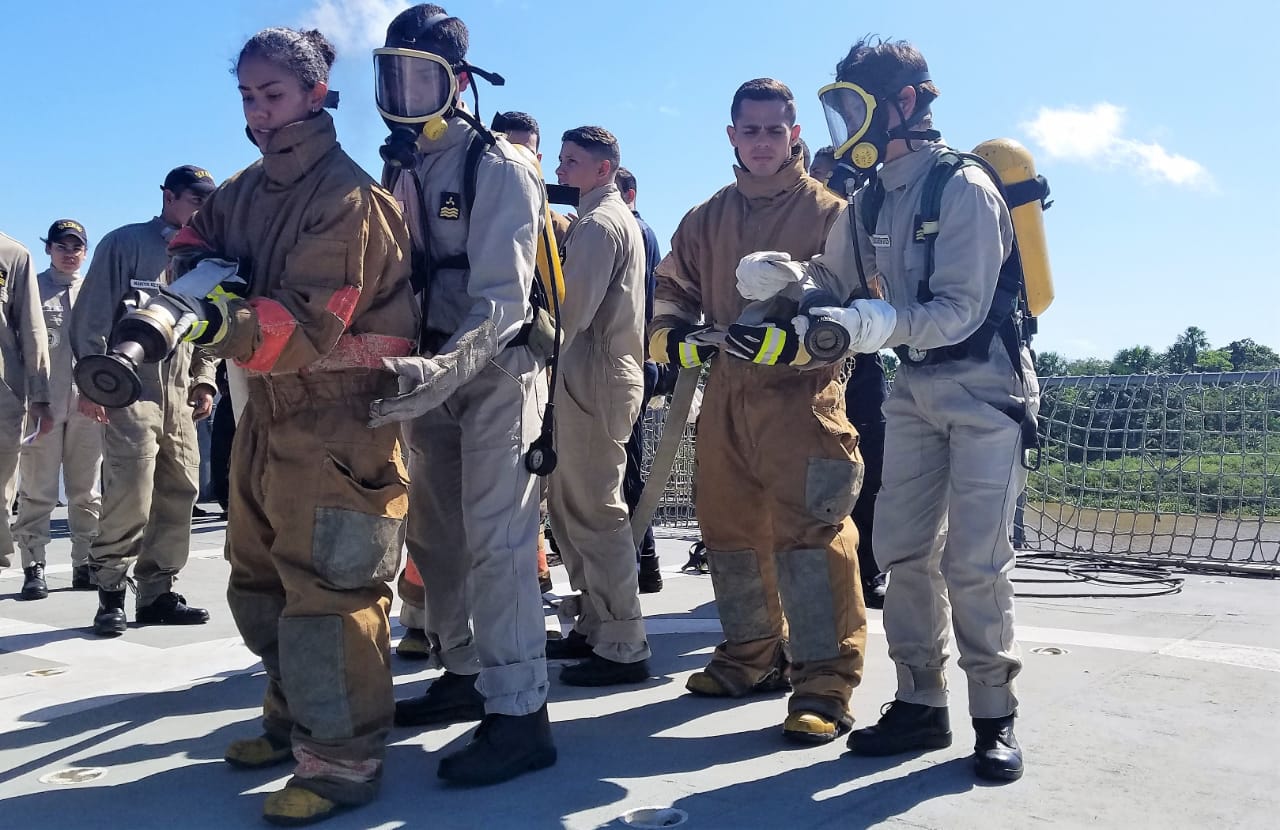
{"x": 1162, "y": 446}
{"x": 1189, "y": 352}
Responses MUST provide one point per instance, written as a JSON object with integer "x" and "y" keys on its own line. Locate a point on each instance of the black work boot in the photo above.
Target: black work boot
{"x": 572, "y": 647}
{"x": 81, "y": 579}
{"x": 904, "y": 727}
{"x": 873, "y": 591}
{"x": 601, "y": 671}
{"x": 502, "y": 747}
{"x": 110, "y": 620}
{"x": 171, "y": 609}
{"x": 996, "y": 754}
{"x": 449, "y": 699}
{"x": 33, "y": 584}
{"x": 650, "y": 578}
{"x": 697, "y": 563}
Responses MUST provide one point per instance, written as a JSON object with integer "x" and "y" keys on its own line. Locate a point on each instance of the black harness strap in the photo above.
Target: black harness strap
{"x": 1008, "y": 317}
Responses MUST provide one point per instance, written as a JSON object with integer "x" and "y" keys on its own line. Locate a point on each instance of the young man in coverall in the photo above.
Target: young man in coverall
{"x": 603, "y": 382}
{"x": 655, "y": 379}
{"x": 472, "y": 406}
{"x": 73, "y": 446}
{"x": 955, "y": 418}
{"x": 778, "y": 465}
{"x": 152, "y": 462}
{"x": 24, "y": 384}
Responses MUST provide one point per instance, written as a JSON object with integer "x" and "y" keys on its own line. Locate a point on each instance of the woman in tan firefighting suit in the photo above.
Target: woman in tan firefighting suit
{"x": 317, "y": 498}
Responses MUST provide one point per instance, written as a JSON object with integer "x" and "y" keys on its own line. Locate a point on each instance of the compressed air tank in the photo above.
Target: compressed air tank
{"x": 1014, "y": 164}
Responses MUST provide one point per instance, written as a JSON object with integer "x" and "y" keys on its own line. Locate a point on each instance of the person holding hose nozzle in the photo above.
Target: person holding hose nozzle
{"x": 317, "y": 497}
{"x": 794, "y": 550}
{"x": 962, "y": 399}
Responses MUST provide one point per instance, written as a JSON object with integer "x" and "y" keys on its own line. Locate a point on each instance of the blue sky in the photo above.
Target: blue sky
{"x": 1155, "y": 127}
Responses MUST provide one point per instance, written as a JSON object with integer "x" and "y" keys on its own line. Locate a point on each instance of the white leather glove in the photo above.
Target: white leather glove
{"x": 424, "y": 385}
{"x": 763, "y": 274}
{"x": 869, "y": 323}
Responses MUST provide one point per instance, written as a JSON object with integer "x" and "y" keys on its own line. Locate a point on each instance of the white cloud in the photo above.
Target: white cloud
{"x": 1096, "y": 136}
{"x": 354, "y": 26}
{"x": 668, "y": 111}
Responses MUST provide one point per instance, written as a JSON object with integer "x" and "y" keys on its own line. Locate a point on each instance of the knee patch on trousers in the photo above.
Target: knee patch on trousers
{"x": 740, "y": 596}
{"x": 314, "y": 675}
{"x": 804, "y": 582}
{"x": 831, "y": 487}
{"x": 352, "y": 549}
{"x": 257, "y": 617}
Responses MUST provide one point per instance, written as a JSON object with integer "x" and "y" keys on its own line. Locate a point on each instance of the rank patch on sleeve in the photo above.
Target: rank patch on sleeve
{"x": 449, "y": 206}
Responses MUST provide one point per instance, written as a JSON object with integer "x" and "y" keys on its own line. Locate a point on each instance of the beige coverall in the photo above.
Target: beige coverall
{"x": 474, "y": 516}
{"x": 602, "y": 385}
{"x": 24, "y": 366}
{"x": 778, "y": 468}
{"x": 152, "y": 462}
{"x": 318, "y": 499}
{"x": 952, "y": 453}
{"x": 73, "y": 447}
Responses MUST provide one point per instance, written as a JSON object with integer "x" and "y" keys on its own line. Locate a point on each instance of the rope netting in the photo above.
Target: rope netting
{"x": 1181, "y": 469}
{"x": 1172, "y": 469}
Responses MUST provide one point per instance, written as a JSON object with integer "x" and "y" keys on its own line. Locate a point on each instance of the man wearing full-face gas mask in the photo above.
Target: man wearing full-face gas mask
{"x": 964, "y": 393}
{"x": 471, "y": 401}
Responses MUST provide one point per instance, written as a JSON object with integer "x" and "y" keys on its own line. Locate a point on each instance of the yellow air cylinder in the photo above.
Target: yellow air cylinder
{"x": 1014, "y": 164}
{"x": 549, "y": 271}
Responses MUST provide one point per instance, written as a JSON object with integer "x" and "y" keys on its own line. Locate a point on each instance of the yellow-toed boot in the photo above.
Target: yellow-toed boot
{"x": 414, "y": 645}
{"x": 259, "y": 752}
{"x": 705, "y": 684}
{"x": 295, "y": 806}
{"x": 813, "y": 728}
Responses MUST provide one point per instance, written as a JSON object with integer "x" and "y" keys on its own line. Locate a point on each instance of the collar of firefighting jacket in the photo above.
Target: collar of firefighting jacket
{"x": 766, "y": 187}
{"x": 295, "y": 148}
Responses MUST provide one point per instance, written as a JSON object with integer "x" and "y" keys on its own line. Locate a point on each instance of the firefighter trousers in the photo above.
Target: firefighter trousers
{"x": 778, "y": 472}
{"x": 316, "y": 524}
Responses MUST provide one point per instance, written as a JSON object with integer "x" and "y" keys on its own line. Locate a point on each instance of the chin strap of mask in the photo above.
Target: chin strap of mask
{"x": 472, "y": 118}
{"x": 904, "y": 129}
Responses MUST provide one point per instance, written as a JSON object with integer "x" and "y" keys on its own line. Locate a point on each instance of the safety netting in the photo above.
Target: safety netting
{"x": 1179, "y": 469}
{"x": 1169, "y": 469}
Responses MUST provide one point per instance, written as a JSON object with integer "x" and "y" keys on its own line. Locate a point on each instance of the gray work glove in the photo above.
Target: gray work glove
{"x": 425, "y": 383}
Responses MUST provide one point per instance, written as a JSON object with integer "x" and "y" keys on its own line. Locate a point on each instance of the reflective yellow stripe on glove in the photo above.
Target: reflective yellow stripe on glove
{"x": 672, "y": 345}
{"x": 769, "y": 344}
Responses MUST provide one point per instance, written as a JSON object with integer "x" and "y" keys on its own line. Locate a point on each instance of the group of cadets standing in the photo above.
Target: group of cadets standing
{"x": 395, "y": 382}
{"x": 147, "y": 453}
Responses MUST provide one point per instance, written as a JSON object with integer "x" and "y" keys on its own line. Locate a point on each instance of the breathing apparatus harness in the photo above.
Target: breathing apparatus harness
{"x": 858, "y": 158}
{"x": 399, "y": 153}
